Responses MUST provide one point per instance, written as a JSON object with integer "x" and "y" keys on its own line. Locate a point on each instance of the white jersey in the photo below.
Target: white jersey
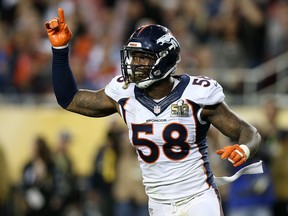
{"x": 169, "y": 135}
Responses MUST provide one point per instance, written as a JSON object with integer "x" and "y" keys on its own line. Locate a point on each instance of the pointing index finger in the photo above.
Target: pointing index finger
{"x": 61, "y": 15}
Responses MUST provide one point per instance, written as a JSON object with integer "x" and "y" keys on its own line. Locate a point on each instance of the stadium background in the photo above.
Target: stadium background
{"x": 242, "y": 44}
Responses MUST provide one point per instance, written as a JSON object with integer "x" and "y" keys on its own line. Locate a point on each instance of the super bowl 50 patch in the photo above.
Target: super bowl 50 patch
{"x": 180, "y": 109}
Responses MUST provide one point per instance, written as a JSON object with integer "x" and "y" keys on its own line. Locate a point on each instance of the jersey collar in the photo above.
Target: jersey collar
{"x": 158, "y": 107}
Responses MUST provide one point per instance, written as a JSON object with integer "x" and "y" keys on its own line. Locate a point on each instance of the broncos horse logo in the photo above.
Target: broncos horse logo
{"x": 168, "y": 38}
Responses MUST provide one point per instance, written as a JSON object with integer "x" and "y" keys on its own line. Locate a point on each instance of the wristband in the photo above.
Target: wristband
{"x": 60, "y": 47}
{"x": 246, "y": 150}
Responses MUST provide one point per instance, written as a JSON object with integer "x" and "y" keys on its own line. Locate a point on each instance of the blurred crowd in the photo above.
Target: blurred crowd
{"x": 213, "y": 34}
{"x": 51, "y": 186}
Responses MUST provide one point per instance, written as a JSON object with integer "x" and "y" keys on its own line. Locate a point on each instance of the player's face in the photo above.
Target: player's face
{"x": 142, "y": 63}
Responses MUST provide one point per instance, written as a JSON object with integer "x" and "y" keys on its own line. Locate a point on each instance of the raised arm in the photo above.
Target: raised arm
{"x": 85, "y": 102}
{"x": 231, "y": 125}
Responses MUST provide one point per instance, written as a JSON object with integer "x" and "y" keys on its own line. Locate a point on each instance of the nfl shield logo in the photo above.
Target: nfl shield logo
{"x": 157, "y": 109}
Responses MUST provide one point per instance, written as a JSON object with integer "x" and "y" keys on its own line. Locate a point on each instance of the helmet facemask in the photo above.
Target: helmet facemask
{"x": 137, "y": 73}
{"x": 144, "y": 75}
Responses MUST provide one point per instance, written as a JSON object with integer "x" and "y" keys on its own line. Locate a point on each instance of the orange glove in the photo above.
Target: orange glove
{"x": 58, "y": 32}
{"x": 236, "y": 154}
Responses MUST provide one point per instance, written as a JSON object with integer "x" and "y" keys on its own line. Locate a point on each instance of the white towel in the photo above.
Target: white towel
{"x": 255, "y": 168}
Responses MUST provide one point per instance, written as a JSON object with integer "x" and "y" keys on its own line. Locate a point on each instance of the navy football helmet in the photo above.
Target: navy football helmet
{"x": 156, "y": 42}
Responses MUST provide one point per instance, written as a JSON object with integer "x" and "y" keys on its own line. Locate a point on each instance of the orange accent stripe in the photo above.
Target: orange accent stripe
{"x": 143, "y": 28}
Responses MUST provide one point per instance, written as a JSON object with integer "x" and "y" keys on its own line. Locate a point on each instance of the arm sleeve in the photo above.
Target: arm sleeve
{"x": 64, "y": 84}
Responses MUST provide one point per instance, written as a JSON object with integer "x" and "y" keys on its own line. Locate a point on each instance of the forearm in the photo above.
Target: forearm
{"x": 63, "y": 81}
{"x": 232, "y": 126}
{"x": 250, "y": 137}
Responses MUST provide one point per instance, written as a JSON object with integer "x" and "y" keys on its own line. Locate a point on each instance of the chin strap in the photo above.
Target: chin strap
{"x": 126, "y": 84}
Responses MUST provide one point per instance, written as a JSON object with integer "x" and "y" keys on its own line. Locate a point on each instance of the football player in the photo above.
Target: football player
{"x": 167, "y": 116}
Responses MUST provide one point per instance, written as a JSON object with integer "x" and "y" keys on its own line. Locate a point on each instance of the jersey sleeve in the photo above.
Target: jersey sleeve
{"x": 206, "y": 91}
{"x": 115, "y": 89}
{"x": 215, "y": 94}
{"x": 112, "y": 88}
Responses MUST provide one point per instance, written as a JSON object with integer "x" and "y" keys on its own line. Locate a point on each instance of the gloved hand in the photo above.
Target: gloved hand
{"x": 236, "y": 154}
{"x": 58, "y": 32}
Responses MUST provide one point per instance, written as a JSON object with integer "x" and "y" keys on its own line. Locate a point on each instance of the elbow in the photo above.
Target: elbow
{"x": 64, "y": 102}
{"x": 63, "y": 105}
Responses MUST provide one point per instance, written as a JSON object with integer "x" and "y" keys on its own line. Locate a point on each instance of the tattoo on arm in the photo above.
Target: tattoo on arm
{"x": 231, "y": 125}
{"x": 92, "y": 103}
